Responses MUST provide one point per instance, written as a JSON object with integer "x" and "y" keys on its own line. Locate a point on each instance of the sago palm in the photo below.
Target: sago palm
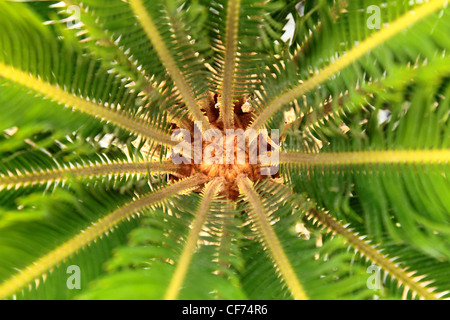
{"x": 93, "y": 93}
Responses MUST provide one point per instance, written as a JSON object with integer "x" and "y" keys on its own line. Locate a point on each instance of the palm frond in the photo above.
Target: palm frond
{"x": 61, "y": 97}
{"x": 191, "y": 241}
{"x": 231, "y": 38}
{"x": 368, "y": 94}
{"x": 367, "y": 157}
{"x": 408, "y": 279}
{"x": 372, "y": 42}
{"x": 95, "y": 170}
{"x": 89, "y": 234}
{"x": 338, "y": 278}
{"x": 271, "y": 240}
{"x": 78, "y": 81}
{"x": 167, "y": 59}
{"x": 156, "y": 255}
{"x": 417, "y": 121}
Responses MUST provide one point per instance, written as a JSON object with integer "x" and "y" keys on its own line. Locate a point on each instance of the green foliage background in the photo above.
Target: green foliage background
{"x": 102, "y": 95}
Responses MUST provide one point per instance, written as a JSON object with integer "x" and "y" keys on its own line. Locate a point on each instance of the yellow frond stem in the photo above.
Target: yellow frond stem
{"x": 367, "y": 157}
{"x": 231, "y": 37}
{"x": 31, "y": 178}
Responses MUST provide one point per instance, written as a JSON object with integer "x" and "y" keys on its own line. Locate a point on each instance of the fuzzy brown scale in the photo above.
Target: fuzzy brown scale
{"x": 230, "y": 171}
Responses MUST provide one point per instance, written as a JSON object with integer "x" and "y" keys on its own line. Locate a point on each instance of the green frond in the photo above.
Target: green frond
{"x": 421, "y": 221}
{"x": 367, "y": 95}
{"x": 157, "y": 251}
{"x": 192, "y": 239}
{"x": 124, "y": 53}
{"x": 25, "y": 153}
{"x": 102, "y": 42}
{"x": 415, "y": 129}
{"x": 57, "y": 58}
{"x": 157, "y": 96}
{"x": 89, "y": 234}
{"x": 338, "y": 278}
{"x": 62, "y": 97}
{"x": 230, "y": 44}
{"x": 168, "y": 60}
{"x": 408, "y": 279}
{"x": 303, "y": 38}
{"x": 259, "y": 217}
{"x": 42, "y": 224}
{"x": 241, "y": 31}
{"x": 95, "y": 170}
{"x": 355, "y": 53}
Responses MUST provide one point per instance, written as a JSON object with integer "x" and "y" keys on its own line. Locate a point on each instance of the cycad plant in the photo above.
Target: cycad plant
{"x": 93, "y": 94}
